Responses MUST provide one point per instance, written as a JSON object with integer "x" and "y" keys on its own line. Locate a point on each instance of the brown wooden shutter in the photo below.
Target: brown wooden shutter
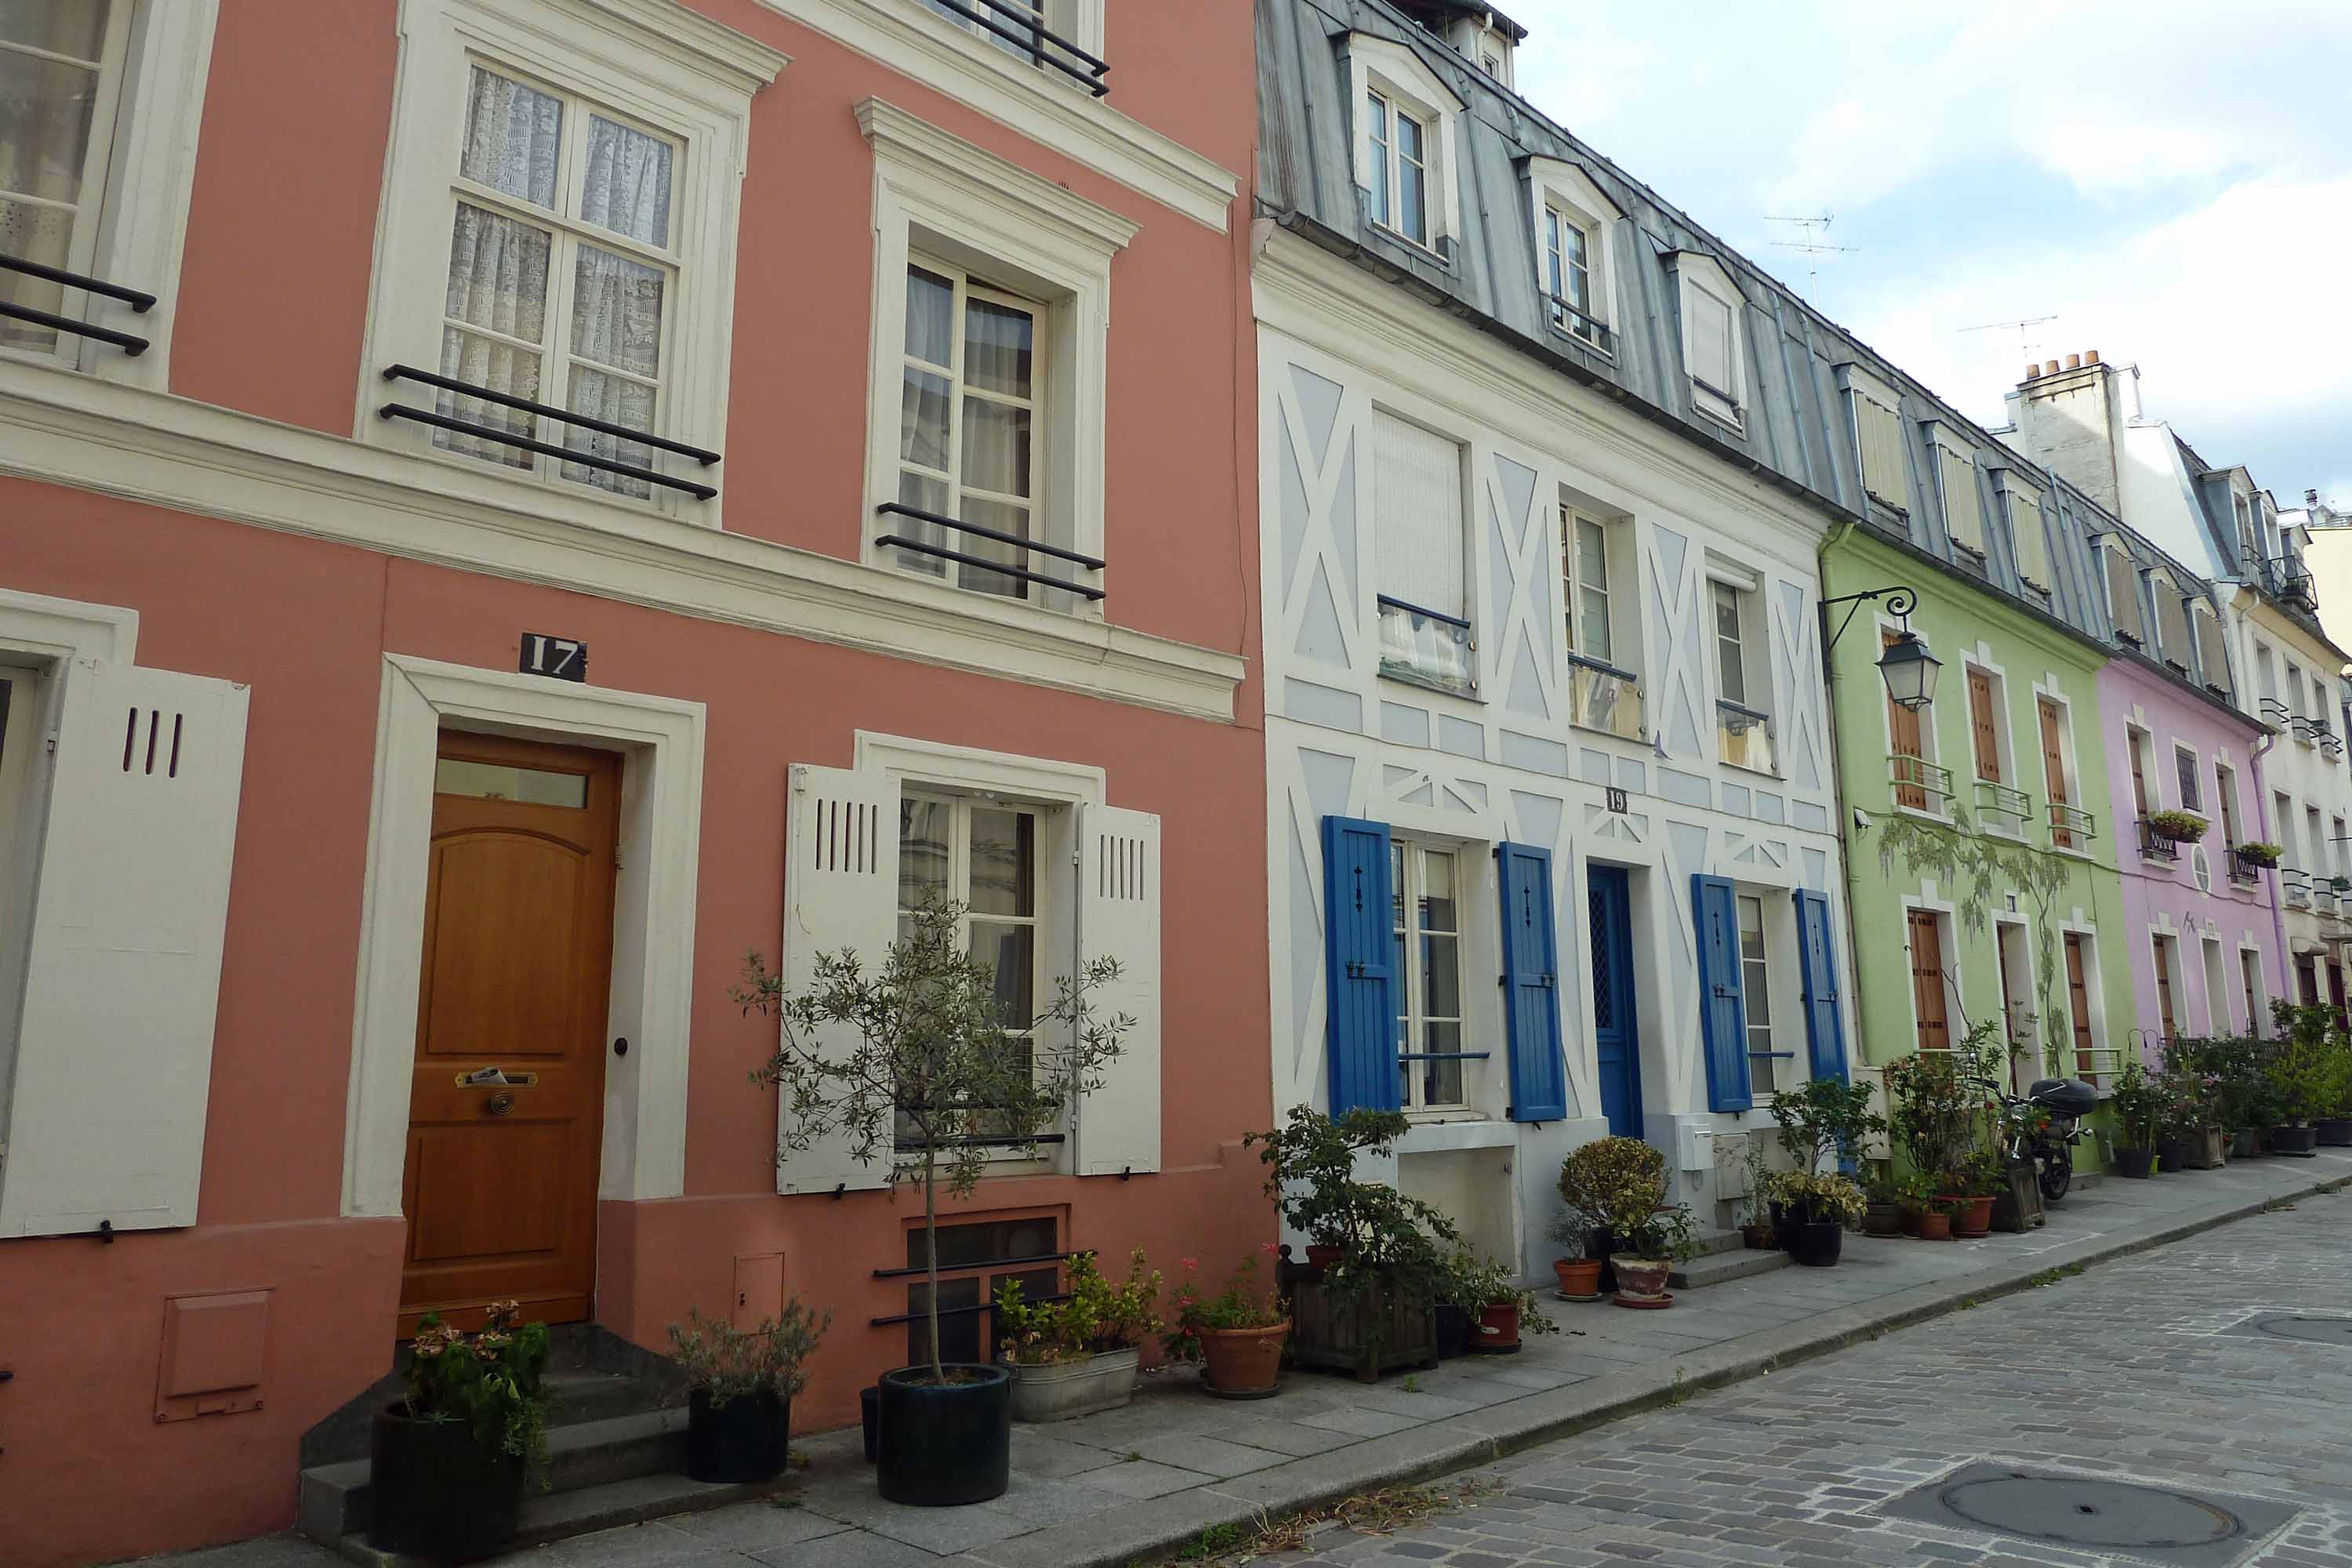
{"x": 2053, "y": 770}
{"x": 2164, "y": 987}
{"x": 1980, "y": 724}
{"x": 1903, "y": 734}
{"x": 1927, "y": 981}
{"x": 2078, "y": 1002}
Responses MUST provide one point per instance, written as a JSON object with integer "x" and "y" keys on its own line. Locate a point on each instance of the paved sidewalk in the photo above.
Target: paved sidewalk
{"x": 1108, "y": 1489}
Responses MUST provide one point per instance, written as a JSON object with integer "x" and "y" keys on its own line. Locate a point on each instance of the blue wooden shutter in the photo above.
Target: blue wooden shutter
{"x": 1722, "y": 1015}
{"x": 1530, "y": 984}
{"x": 1824, "y": 1028}
{"x": 1358, "y": 936}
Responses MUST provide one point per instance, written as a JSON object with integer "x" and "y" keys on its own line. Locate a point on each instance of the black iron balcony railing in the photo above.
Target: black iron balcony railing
{"x": 2287, "y": 576}
{"x": 1583, "y": 325}
{"x": 2154, "y": 846}
{"x": 129, "y": 344}
{"x": 546, "y": 448}
{"x": 964, "y": 558}
{"x": 2297, "y": 886}
{"x": 1021, "y": 25}
{"x": 2276, "y": 714}
{"x": 2244, "y": 871}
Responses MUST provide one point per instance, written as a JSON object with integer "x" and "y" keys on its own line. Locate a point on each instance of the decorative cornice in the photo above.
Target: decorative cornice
{"x": 1030, "y": 197}
{"x": 692, "y": 38}
{"x": 68, "y": 429}
{"x": 1035, "y": 102}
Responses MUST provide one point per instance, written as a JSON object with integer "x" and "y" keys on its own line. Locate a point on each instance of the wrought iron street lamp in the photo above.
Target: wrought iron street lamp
{"x": 1906, "y": 666}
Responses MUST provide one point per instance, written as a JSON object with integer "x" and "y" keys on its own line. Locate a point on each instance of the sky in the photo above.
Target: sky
{"x": 2170, "y": 179}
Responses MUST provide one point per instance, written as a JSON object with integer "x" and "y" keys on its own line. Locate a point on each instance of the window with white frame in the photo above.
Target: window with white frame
{"x": 1878, "y": 430}
{"x": 1764, "y": 1059}
{"x": 992, "y": 300}
{"x": 984, "y": 857}
{"x": 1743, "y": 685}
{"x": 968, "y": 424}
{"x": 99, "y": 106}
{"x": 560, "y": 224}
{"x": 1714, "y": 352}
{"x": 1417, "y": 533}
{"x": 1604, "y": 693}
{"x": 1573, "y": 219}
{"x": 1427, "y": 925}
{"x": 2190, "y": 778}
{"x": 1404, "y": 143}
{"x": 1062, "y": 38}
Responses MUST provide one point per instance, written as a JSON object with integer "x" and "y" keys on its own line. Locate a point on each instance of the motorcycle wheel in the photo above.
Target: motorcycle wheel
{"x": 2057, "y": 1173}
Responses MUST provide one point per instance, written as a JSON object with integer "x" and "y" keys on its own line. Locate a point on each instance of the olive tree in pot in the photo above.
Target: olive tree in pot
{"x": 448, "y": 1462}
{"x": 2139, "y": 1109}
{"x": 912, "y": 1064}
{"x": 1827, "y": 1122}
{"x": 2309, "y": 1069}
{"x": 741, "y": 1386}
{"x": 1077, "y": 1356}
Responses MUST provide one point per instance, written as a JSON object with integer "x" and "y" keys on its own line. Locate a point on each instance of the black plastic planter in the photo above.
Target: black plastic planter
{"x": 2299, "y": 1140}
{"x": 944, "y": 1445}
{"x": 1452, "y": 1331}
{"x": 2335, "y": 1132}
{"x": 436, "y": 1493}
{"x": 2137, "y": 1163}
{"x": 2172, "y": 1154}
{"x": 868, "y": 1398}
{"x": 741, "y": 1440}
{"x": 1814, "y": 1243}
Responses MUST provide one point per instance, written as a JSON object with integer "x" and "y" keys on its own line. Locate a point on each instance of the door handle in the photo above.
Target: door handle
{"x": 500, "y": 1103}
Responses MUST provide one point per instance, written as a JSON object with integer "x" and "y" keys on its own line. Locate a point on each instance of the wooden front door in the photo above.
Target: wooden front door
{"x": 1927, "y": 981}
{"x": 2078, "y": 1004}
{"x": 1982, "y": 730}
{"x": 1903, "y": 737}
{"x": 500, "y": 1189}
{"x": 2053, "y": 771}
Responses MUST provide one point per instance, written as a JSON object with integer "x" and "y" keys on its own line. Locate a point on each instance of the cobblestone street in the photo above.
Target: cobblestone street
{"x": 2148, "y": 1369}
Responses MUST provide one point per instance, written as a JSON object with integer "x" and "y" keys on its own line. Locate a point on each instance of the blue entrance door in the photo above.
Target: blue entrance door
{"x": 1615, "y": 1027}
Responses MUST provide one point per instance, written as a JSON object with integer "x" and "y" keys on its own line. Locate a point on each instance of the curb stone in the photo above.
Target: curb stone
{"x": 1154, "y": 1530}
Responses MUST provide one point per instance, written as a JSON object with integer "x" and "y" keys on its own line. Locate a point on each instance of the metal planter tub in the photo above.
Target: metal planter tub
{"x": 1103, "y": 1382}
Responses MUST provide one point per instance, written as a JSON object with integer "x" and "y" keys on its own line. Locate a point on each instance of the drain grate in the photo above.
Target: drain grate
{"x": 2154, "y": 1523}
{"x": 2296, "y": 1326}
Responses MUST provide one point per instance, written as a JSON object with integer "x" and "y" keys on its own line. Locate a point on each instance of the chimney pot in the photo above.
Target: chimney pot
{"x": 2073, "y": 361}
{"x": 2091, "y": 357}
{"x": 2050, "y": 367}
{"x": 2032, "y": 369}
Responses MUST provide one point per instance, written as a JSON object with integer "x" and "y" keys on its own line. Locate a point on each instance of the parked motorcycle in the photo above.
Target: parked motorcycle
{"x": 2045, "y": 1125}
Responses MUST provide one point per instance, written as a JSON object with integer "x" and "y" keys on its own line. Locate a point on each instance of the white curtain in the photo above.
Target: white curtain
{"x": 498, "y": 265}
{"x": 616, "y": 302}
{"x": 45, "y": 108}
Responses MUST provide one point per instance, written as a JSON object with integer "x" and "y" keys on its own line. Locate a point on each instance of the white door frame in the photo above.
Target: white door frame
{"x": 661, "y": 739}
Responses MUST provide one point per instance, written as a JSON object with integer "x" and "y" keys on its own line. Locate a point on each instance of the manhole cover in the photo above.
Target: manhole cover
{"x": 2155, "y": 1523}
{"x": 2318, "y": 1330}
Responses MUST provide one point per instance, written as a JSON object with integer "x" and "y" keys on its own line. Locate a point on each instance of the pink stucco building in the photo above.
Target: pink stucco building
{"x": 527, "y": 526}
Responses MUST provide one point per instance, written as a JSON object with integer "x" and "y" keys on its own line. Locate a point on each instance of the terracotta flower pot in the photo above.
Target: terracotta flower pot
{"x": 1934, "y": 1226}
{"x": 1975, "y": 1218}
{"x": 1579, "y": 1278}
{"x": 1883, "y": 1219}
{"x": 1498, "y": 1329}
{"x": 1644, "y": 1279}
{"x": 1912, "y": 1214}
{"x": 1243, "y": 1362}
{"x": 1324, "y": 1256}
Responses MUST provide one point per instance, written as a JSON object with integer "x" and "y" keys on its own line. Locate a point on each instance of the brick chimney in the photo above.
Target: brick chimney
{"x": 2072, "y": 420}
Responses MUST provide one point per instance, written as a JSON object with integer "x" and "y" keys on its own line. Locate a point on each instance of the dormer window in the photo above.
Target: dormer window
{"x": 1573, "y": 221}
{"x": 1714, "y": 347}
{"x": 1404, "y": 148}
{"x": 1955, "y": 478}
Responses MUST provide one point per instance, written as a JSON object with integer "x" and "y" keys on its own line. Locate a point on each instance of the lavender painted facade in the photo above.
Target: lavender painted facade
{"x": 2206, "y": 941}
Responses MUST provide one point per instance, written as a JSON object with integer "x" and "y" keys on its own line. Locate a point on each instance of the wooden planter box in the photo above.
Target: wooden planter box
{"x": 2020, "y": 1207}
{"x": 1341, "y": 1333}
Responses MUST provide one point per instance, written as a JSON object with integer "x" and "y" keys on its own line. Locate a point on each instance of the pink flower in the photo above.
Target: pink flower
{"x": 1268, "y": 1248}
{"x": 1189, "y": 1263}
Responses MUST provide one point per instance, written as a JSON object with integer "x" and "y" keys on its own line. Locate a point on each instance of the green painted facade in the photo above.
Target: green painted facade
{"x": 1948, "y": 858}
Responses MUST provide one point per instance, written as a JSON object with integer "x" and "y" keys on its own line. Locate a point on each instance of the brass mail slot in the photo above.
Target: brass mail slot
{"x": 504, "y": 1080}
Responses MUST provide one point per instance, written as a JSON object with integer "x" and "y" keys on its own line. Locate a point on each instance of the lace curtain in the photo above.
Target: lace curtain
{"x": 45, "y": 109}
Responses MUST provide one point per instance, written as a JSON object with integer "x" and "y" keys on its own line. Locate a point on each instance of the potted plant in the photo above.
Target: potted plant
{"x": 741, "y": 1386}
{"x": 2306, "y": 1069}
{"x": 2138, "y": 1107}
{"x": 1814, "y": 1211}
{"x": 1935, "y": 1217}
{"x": 1827, "y": 1122}
{"x": 2335, "y": 1127}
{"x": 1077, "y": 1356}
{"x": 1610, "y": 1187}
{"x": 1373, "y": 1307}
{"x": 1881, "y": 1213}
{"x": 1645, "y": 1256}
{"x": 1946, "y": 1121}
{"x": 913, "y": 1065}
{"x": 1984, "y": 1179}
{"x": 448, "y": 1461}
{"x": 1236, "y": 1334}
{"x": 1578, "y": 1272}
{"x": 2255, "y": 852}
{"x": 2177, "y": 826}
{"x": 2195, "y": 1070}
{"x": 1755, "y": 1208}
{"x": 1499, "y": 1310}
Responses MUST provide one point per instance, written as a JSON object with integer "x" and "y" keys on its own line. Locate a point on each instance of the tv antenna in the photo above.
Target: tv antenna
{"x": 2026, "y": 341}
{"x": 1812, "y": 239}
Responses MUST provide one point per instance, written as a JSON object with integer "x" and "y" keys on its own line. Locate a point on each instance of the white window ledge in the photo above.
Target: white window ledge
{"x": 190, "y": 457}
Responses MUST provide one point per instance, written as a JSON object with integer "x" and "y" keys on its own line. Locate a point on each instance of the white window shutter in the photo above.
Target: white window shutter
{"x": 1711, "y": 340}
{"x": 2025, "y": 527}
{"x": 106, "y": 1120}
{"x": 1417, "y": 508}
{"x": 1119, "y": 917}
{"x": 1963, "y": 517}
{"x": 841, "y": 890}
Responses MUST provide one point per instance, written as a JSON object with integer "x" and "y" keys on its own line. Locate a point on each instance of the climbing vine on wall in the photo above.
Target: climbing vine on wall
{"x": 1980, "y": 868}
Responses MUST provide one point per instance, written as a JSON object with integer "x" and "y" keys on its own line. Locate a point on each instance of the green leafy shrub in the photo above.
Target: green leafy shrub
{"x": 493, "y": 1381}
{"x": 1617, "y": 1187}
{"x": 1094, "y": 1316}
{"x": 728, "y": 1363}
{"x": 1243, "y": 1303}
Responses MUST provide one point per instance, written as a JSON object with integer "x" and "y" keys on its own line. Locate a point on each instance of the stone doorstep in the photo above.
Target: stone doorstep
{"x": 554, "y": 1516}
{"x": 581, "y": 1458}
{"x": 1715, "y": 1268}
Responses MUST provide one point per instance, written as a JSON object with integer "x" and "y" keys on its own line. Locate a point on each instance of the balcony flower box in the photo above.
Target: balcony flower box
{"x": 2177, "y": 826}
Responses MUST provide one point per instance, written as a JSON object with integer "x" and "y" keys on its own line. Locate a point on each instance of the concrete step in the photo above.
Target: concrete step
{"x": 1713, "y": 1241}
{"x": 582, "y": 1456}
{"x": 1715, "y": 1268}
{"x": 553, "y": 1516}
